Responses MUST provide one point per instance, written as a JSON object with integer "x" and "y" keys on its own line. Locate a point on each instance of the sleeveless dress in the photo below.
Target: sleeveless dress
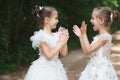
{"x": 42, "y": 68}
{"x": 99, "y": 66}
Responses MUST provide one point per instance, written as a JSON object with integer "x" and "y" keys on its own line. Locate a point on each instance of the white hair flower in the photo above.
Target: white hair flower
{"x": 40, "y": 7}
{"x": 111, "y": 16}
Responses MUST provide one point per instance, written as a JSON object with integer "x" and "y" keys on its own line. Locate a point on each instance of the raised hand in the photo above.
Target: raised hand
{"x": 77, "y": 31}
{"x": 83, "y": 27}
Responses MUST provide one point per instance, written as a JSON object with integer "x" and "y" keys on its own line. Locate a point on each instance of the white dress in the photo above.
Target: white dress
{"x": 42, "y": 68}
{"x": 99, "y": 66}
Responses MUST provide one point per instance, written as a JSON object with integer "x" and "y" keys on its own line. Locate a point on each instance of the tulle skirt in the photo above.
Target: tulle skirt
{"x": 99, "y": 69}
{"x": 46, "y": 70}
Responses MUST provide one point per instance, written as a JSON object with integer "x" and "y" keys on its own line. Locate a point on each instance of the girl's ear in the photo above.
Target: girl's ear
{"x": 46, "y": 20}
{"x": 101, "y": 21}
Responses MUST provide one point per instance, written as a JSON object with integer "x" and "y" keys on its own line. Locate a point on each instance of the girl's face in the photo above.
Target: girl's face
{"x": 95, "y": 21}
{"x": 53, "y": 20}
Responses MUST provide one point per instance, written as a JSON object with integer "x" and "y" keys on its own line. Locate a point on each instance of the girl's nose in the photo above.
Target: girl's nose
{"x": 90, "y": 20}
{"x": 57, "y": 20}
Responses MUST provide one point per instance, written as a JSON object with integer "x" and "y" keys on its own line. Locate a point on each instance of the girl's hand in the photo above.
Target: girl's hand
{"x": 61, "y": 29}
{"x": 77, "y": 31}
{"x": 83, "y": 27}
{"x": 64, "y": 36}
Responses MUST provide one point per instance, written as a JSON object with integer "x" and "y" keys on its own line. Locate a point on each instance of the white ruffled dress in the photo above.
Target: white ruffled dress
{"x": 42, "y": 68}
{"x": 99, "y": 66}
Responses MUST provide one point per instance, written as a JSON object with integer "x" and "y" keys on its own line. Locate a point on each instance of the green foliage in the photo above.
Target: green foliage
{"x": 17, "y": 25}
{"x": 3, "y": 40}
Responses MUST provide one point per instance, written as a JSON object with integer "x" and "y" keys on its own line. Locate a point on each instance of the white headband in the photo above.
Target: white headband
{"x": 111, "y": 16}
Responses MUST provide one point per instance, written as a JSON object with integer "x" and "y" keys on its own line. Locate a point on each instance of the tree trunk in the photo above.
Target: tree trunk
{"x": 8, "y": 26}
{"x": 18, "y": 21}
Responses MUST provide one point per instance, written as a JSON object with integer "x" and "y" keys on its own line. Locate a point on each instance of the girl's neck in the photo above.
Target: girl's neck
{"x": 103, "y": 30}
{"x": 47, "y": 30}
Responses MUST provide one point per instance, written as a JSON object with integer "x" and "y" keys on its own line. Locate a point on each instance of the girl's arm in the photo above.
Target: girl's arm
{"x": 64, "y": 50}
{"x": 77, "y": 32}
{"x": 49, "y": 53}
{"x": 88, "y": 47}
{"x": 82, "y": 45}
{"x": 91, "y": 48}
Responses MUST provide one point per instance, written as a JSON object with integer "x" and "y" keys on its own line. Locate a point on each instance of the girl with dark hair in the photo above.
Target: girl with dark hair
{"x": 48, "y": 66}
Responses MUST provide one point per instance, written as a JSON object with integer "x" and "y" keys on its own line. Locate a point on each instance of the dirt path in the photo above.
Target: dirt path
{"x": 75, "y": 62}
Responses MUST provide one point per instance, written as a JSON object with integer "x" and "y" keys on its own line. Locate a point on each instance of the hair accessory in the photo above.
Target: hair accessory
{"x": 111, "y": 16}
{"x": 40, "y": 7}
{"x": 38, "y": 15}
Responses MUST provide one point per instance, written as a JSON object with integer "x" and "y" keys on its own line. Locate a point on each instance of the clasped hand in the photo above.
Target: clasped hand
{"x": 64, "y": 35}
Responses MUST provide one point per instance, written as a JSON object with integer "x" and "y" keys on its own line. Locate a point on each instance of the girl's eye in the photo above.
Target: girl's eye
{"x": 92, "y": 18}
{"x": 56, "y": 18}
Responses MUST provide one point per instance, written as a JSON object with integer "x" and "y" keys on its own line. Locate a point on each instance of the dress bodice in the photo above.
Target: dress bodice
{"x": 105, "y": 50}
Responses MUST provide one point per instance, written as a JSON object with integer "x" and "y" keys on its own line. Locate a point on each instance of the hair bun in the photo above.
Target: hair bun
{"x": 115, "y": 17}
{"x": 35, "y": 11}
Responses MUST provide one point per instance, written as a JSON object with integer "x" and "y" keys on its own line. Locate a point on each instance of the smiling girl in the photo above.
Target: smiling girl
{"x": 99, "y": 66}
{"x": 48, "y": 66}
